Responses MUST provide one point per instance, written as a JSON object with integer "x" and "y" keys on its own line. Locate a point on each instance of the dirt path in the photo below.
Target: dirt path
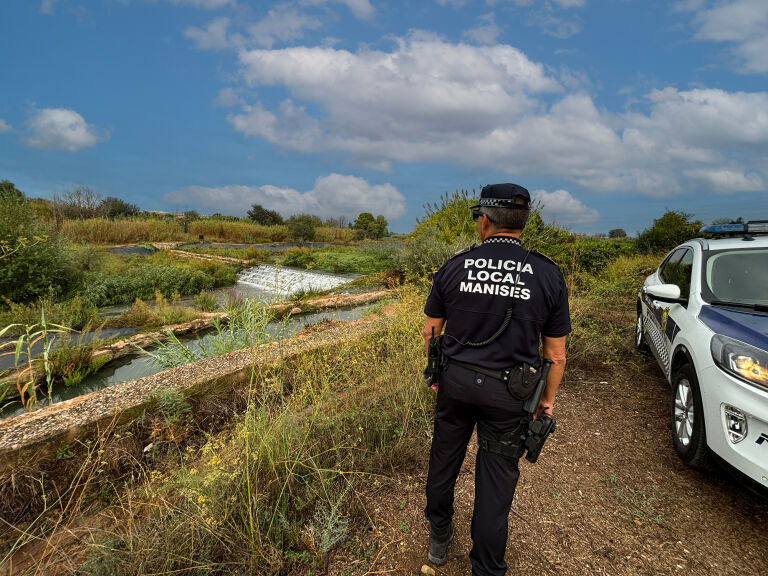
{"x": 608, "y": 496}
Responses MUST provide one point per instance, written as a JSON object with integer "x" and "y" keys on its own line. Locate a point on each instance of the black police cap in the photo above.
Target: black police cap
{"x": 503, "y": 196}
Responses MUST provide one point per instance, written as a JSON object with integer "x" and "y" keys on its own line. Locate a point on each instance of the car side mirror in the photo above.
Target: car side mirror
{"x": 665, "y": 293}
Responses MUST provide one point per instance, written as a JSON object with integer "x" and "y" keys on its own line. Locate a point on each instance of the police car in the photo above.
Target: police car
{"x": 704, "y": 316}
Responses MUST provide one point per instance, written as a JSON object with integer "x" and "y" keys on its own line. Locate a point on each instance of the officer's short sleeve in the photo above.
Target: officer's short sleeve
{"x": 558, "y": 323}
{"x": 435, "y": 307}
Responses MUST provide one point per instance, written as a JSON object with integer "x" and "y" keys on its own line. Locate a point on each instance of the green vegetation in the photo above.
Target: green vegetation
{"x": 263, "y": 216}
{"x": 667, "y": 232}
{"x": 366, "y": 226}
{"x": 302, "y": 226}
{"x": 162, "y": 313}
{"x": 247, "y": 327}
{"x": 281, "y": 489}
{"x": 241, "y": 232}
{"x": 124, "y": 231}
{"x": 30, "y": 364}
{"x": 123, "y": 279}
{"x": 33, "y": 263}
{"x": 365, "y": 259}
{"x": 72, "y": 360}
{"x": 279, "y": 486}
{"x": 252, "y": 253}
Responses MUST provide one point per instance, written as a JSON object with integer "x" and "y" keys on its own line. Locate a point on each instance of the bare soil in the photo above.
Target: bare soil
{"x": 608, "y": 496}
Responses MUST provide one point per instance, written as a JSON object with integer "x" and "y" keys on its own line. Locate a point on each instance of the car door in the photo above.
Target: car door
{"x": 660, "y": 327}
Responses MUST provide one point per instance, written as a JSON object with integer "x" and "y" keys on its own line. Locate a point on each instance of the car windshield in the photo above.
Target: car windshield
{"x": 739, "y": 276}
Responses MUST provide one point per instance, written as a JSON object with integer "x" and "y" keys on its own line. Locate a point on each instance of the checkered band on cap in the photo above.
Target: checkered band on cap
{"x": 500, "y": 202}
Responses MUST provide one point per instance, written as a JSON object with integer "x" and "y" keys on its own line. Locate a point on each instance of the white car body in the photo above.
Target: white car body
{"x": 681, "y": 333}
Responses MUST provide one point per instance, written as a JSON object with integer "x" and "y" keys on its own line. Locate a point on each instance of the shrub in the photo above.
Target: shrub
{"x": 263, "y": 216}
{"x": 106, "y": 288}
{"x": 299, "y": 258}
{"x": 75, "y": 313}
{"x": 302, "y": 226}
{"x": 73, "y": 361}
{"x": 112, "y": 208}
{"x": 32, "y": 264}
{"x": 205, "y": 301}
{"x": 367, "y": 226}
{"x": 671, "y": 229}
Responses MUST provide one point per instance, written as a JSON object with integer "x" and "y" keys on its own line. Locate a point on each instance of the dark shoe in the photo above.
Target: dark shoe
{"x": 438, "y": 544}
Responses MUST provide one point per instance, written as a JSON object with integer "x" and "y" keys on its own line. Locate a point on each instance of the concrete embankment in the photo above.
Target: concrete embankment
{"x": 37, "y": 436}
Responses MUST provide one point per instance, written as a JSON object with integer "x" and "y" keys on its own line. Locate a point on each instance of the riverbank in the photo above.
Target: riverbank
{"x": 131, "y": 345}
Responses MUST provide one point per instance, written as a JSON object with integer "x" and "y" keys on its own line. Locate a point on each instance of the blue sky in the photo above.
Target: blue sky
{"x": 610, "y": 111}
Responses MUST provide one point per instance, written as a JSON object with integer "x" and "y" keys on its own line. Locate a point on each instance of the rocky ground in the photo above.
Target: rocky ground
{"x": 608, "y": 496}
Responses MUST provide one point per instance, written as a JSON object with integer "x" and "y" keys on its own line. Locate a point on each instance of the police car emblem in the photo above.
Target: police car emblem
{"x": 664, "y": 316}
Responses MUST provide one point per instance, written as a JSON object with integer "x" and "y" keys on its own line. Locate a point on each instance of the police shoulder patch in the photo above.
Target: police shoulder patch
{"x": 464, "y": 251}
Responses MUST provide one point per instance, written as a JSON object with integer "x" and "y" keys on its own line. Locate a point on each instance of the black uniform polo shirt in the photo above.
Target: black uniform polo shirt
{"x": 473, "y": 291}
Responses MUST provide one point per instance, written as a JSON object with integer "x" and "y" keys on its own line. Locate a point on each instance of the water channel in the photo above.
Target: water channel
{"x": 266, "y": 283}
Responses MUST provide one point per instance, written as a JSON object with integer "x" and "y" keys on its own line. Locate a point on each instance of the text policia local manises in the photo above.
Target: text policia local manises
{"x": 498, "y": 277}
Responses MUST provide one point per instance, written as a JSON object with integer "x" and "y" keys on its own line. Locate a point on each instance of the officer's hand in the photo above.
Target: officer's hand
{"x": 544, "y": 409}
{"x": 435, "y": 386}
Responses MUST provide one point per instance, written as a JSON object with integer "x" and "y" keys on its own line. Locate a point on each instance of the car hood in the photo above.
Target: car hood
{"x": 749, "y": 327}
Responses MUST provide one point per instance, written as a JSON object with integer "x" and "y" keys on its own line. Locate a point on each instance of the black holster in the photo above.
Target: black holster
{"x": 434, "y": 361}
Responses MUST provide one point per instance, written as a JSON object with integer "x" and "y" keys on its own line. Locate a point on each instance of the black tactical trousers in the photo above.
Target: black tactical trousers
{"x": 466, "y": 398}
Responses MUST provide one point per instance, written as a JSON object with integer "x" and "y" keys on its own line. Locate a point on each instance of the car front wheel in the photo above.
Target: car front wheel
{"x": 640, "y": 344}
{"x": 688, "y": 418}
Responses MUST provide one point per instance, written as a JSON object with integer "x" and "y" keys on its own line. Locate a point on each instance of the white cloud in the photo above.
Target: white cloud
{"x": 205, "y": 4}
{"x": 490, "y": 107}
{"x": 282, "y": 23}
{"x": 5, "y": 127}
{"x": 48, "y": 6}
{"x": 561, "y": 207}
{"x": 60, "y": 129}
{"x": 561, "y": 3}
{"x": 332, "y": 195}
{"x": 362, "y": 9}
{"x": 742, "y": 23}
{"x": 486, "y": 31}
{"x": 228, "y": 97}
{"x": 213, "y": 37}
{"x": 726, "y": 181}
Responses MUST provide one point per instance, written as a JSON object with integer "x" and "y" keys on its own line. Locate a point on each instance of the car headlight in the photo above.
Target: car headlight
{"x": 740, "y": 359}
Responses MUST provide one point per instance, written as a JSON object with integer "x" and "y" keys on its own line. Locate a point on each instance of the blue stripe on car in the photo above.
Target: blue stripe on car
{"x": 749, "y": 327}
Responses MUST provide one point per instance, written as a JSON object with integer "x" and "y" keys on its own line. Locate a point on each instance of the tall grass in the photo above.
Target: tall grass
{"x": 132, "y": 230}
{"x": 121, "y": 280}
{"x": 247, "y": 327}
{"x": 329, "y": 234}
{"x": 280, "y": 491}
{"x": 240, "y": 232}
{"x": 104, "y": 231}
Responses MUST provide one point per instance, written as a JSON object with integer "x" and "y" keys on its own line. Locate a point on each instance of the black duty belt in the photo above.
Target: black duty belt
{"x": 502, "y": 375}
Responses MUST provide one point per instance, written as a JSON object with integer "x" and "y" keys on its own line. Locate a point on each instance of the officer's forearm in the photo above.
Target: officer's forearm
{"x": 433, "y": 326}
{"x": 553, "y": 381}
{"x": 554, "y": 349}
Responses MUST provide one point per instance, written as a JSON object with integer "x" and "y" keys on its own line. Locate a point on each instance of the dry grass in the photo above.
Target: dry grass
{"x": 104, "y": 231}
{"x": 239, "y": 232}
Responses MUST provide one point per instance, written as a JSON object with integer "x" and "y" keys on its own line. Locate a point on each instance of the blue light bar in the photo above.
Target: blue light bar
{"x": 722, "y": 229}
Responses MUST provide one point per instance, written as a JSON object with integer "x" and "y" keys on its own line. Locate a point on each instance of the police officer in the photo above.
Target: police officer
{"x": 494, "y": 301}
